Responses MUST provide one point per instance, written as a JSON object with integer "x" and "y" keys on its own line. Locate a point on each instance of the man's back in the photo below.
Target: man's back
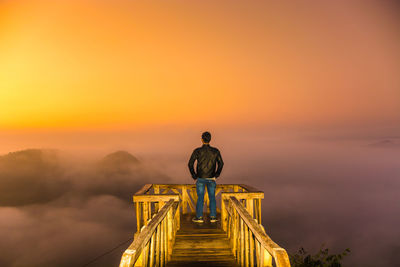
{"x": 207, "y": 158}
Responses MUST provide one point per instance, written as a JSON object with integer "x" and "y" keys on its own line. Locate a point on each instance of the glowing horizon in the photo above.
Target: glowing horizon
{"x": 92, "y": 65}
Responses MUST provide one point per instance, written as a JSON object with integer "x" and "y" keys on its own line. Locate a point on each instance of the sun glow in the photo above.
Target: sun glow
{"x": 77, "y": 64}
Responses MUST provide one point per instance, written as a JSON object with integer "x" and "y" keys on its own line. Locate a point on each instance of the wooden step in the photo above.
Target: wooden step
{"x": 203, "y": 244}
{"x": 202, "y": 263}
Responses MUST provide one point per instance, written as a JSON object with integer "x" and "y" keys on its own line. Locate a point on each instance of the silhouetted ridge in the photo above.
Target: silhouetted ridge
{"x": 118, "y": 162}
{"x": 120, "y": 158}
{"x": 29, "y": 156}
{"x": 385, "y": 143}
{"x": 30, "y": 176}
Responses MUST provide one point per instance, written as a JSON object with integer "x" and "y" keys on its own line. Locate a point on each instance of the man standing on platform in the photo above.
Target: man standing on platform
{"x": 206, "y": 173}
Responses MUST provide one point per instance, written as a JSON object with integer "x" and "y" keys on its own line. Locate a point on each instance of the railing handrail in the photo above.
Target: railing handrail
{"x": 158, "y": 208}
{"x": 279, "y": 254}
{"x": 155, "y": 197}
{"x": 133, "y": 252}
{"x": 146, "y": 188}
{"x": 150, "y": 195}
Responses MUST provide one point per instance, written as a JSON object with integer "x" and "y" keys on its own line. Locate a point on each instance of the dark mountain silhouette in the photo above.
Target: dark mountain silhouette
{"x": 48, "y": 202}
{"x": 119, "y": 162}
{"x": 35, "y": 176}
{"x": 121, "y": 157}
{"x": 121, "y": 174}
{"x": 29, "y": 156}
{"x": 30, "y": 176}
{"x": 386, "y": 143}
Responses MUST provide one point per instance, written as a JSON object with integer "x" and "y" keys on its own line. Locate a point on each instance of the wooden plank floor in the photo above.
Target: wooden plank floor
{"x": 203, "y": 244}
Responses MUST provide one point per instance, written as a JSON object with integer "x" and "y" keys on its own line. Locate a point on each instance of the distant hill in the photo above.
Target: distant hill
{"x": 121, "y": 162}
{"x": 29, "y": 155}
{"x": 35, "y": 160}
{"x": 30, "y": 176}
{"x": 387, "y": 143}
{"x": 120, "y": 158}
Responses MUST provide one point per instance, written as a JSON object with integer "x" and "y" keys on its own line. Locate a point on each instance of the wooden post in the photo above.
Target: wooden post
{"x": 267, "y": 258}
{"x": 184, "y": 199}
{"x": 139, "y": 261}
{"x": 152, "y": 248}
{"x": 240, "y": 219}
{"x": 250, "y": 206}
{"x": 145, "y": 212}
{"x": 246, "y": 245}
{"x": 235, "y": 233}
{"x": 138, "y": 217}
{"x": 251, "y": 240}
{"x": 241, "y": 243}
{"x": 169, "y": 233}
{"x": 178, "y": 219}
{"x": 150, "y": 211}
{"x": 162, "y": 250}
{"x": 235, "y": 188}
{"x": 258, "y": 248}
{"x": 158, "y": 256}
{"x": 223, "y": 213}
{"x": 281, "y": 257}
{"x": 262, "y": 250}
{"x": 166, "y": 240}
{"x": 144, "y": 255}
{"x": 156, "y": 191}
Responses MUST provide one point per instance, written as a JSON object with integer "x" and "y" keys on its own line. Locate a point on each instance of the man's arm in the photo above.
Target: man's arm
{"x": 193, "y": 157}
{"x": 220, "y": 163}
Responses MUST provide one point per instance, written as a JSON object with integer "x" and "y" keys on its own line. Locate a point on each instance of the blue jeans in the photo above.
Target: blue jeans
{"x": 201, "y": 183}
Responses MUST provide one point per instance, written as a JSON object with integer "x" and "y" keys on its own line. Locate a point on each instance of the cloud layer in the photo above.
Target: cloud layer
{"x": 58, "y": 211}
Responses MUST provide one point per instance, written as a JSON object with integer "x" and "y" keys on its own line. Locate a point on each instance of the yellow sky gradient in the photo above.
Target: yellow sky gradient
{"x": 123, "y": 64}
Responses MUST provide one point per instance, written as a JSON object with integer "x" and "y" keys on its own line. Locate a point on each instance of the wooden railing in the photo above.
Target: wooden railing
{"x": 249, "y": 242}
{"x": 148, "y": 202}
{"x": 158, "y": 208}
{"x": 148, "y": 199}
{"x": 153, "y": 245}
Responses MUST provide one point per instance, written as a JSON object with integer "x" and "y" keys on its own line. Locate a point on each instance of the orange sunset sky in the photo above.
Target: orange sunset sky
{"x": 73, "y": 65}
{"x": 302, "y": 98}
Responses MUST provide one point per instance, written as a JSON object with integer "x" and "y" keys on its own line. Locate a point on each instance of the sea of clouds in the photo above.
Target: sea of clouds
{"x": 58, "y": 210}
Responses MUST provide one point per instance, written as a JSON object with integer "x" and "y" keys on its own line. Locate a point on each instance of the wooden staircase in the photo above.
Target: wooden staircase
{"x": 204, "y": 244}
{"x": 166, "y": 235}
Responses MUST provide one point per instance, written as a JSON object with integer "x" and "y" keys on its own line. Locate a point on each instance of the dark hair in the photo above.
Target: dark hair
{"x": 206, "y": 136}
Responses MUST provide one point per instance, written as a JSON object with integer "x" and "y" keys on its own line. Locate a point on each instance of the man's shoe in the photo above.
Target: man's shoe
{"x": 213, "y": 219}
{"x": 197, "y": 220}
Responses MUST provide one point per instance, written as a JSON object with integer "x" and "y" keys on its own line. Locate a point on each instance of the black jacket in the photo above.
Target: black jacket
{"x": 207, "y": 158}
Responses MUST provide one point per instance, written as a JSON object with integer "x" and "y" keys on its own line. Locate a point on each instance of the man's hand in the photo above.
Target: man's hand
{"x": 194, "y": 177}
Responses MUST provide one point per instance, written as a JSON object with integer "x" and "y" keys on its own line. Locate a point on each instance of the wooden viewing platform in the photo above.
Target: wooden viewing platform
{"x": 166, "y": 236}
{"x": 201, "y": 244}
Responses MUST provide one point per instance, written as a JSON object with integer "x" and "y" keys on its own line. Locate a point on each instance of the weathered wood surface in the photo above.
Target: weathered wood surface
{"x": 251, "y": 235}
{"x": 144, "y": 189}
{"x": 237, "y": 239}
{"x": 140, "y": 247}
{"x": 203, "y": 244}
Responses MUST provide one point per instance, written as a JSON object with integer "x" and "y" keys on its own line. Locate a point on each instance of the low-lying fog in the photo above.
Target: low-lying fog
{"x": 58, "y": 209}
